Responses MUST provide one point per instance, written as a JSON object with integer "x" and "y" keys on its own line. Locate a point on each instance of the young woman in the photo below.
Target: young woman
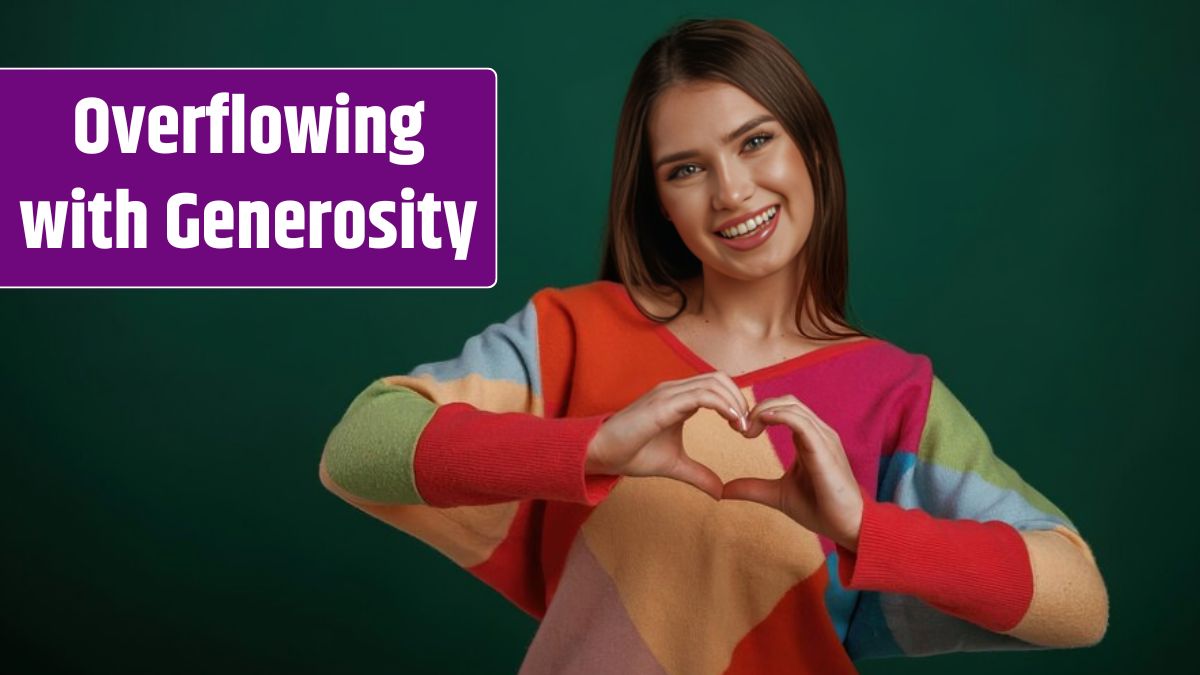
{"x": 697, "y": 464}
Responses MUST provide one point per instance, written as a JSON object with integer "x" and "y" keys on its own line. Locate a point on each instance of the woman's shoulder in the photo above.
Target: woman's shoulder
{"x": 594, "y": 301}
{"x": 892, "y": 362}
{"x": 888, "y": 350}
{"x": 588, "y": 289}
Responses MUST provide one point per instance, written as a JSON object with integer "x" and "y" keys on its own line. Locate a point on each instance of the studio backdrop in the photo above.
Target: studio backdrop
{"x": 1022, "y": 209}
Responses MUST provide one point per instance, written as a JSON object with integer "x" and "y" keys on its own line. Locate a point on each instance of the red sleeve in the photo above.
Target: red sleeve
{"x": 977, "y": 571}
{"x": 467, "y": 456}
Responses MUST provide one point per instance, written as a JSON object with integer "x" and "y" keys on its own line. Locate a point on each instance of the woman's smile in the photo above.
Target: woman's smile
{"x": 750, "y": 232}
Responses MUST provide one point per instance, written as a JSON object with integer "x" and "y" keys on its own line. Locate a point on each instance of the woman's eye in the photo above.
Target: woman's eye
{"x": 683, "y": 171}
{"x": 757, "y": 141}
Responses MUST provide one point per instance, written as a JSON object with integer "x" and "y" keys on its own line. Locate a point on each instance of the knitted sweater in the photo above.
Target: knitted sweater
{"x": 482, "y": 457}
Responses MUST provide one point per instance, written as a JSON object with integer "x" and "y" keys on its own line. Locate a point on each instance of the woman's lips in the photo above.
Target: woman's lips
{"x": 755, "y": 238}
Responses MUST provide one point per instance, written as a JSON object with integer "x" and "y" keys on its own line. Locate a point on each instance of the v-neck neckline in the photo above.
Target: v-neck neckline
{"x": 745, "y": 379}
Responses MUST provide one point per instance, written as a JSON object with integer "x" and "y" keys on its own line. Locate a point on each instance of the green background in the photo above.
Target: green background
{"x": 1022, "y": 192}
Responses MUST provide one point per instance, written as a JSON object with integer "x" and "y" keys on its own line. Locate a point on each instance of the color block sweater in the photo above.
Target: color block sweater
{"x": 482, "y": 457}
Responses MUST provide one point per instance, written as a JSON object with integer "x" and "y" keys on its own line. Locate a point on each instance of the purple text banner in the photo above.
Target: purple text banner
{"x": 248, "y": 178}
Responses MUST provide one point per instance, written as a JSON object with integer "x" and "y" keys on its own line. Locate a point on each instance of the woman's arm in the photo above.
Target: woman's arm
{"x": 956, "y": 552}
{"x": 958, "y": 542}
{"x": 471, "y": 430}
{"x": 408, "y": 440}
{"x": 458, "y": 453}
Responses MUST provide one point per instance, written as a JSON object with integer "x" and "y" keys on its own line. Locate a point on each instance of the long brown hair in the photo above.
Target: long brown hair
{"x": 641, "y": 248}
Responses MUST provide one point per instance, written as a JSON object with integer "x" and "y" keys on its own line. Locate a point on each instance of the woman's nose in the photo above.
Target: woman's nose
{"x": 734, "y": 186}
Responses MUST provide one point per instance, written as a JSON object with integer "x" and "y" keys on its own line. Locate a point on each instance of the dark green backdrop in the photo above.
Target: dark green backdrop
{"x": 1022, "y": 189}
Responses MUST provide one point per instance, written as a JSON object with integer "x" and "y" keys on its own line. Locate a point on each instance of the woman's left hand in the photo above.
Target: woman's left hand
{"x": 819, "y": 491}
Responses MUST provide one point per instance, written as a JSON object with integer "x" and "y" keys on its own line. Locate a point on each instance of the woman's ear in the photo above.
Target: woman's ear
{"x": 663, "y": 209}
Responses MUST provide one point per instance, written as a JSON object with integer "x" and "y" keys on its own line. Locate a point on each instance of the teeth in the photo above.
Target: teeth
{"x": 749, "y": 225}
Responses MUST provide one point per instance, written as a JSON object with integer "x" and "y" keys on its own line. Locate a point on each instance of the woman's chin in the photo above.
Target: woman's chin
{"x": 758, "y": 263}
{"x": 750, "y": 271}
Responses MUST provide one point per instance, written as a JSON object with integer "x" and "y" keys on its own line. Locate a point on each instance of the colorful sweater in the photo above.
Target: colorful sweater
{"x": 482, "y": 458}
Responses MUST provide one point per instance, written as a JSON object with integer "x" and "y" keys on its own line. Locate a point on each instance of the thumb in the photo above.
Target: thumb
{"x": 765, "y": 491}
{"x": 694, "y": 473}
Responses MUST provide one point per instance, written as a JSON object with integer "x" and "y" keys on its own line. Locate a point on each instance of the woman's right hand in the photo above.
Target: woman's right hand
{"x": 646, "y": 437}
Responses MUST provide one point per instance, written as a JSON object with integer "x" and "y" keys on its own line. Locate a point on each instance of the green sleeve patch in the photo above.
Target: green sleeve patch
{"x": 370, "y": 452}
{"x": 952, "y": 438}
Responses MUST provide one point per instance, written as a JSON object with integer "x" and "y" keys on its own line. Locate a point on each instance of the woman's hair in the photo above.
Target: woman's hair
{"x": 642, "y": 249}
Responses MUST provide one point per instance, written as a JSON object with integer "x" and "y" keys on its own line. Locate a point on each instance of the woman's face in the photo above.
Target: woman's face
{"x": 723, "y": 165}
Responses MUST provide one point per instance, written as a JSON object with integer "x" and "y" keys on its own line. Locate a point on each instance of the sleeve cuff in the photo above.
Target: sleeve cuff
{"x": 978, "y": 571}
{"x": 466, "y": 456}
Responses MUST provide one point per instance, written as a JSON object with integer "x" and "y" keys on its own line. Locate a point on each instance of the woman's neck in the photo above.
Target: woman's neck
{"x": 759, "y": 309}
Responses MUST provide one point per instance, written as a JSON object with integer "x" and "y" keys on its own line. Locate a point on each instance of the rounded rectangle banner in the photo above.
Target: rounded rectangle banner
{"x": 248, "y": 178}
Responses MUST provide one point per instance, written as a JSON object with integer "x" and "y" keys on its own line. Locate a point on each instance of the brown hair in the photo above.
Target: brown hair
{"x": 642, "y": 249}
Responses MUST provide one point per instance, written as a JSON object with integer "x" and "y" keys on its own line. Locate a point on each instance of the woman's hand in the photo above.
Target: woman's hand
{"x": 819, "y": 491}
{"x": 646, "y": 437}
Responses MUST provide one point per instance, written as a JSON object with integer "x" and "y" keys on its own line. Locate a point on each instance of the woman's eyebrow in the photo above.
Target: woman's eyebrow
{"x": 728, "y": 138}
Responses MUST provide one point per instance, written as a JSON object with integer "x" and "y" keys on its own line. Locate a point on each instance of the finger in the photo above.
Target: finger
{"x": 728, "y": 385}
{"x": 797, "y": 405}
{"x": 726, "y": 381}
{"x": 774, "y": 402}
{"x": 684, "y": 404}
{"x": 804, "y": 408}
{"x": 696, "y": 474}
{"x": 729, "y": 411}
{"x": 767, "y": 492}
{"x": 814, "y": 443}
{"x": 830, "y": 437}
{"x": 755, "y": 424}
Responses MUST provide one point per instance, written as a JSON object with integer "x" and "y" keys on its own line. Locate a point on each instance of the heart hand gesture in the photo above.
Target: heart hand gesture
{"x": 819, "y": 491}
